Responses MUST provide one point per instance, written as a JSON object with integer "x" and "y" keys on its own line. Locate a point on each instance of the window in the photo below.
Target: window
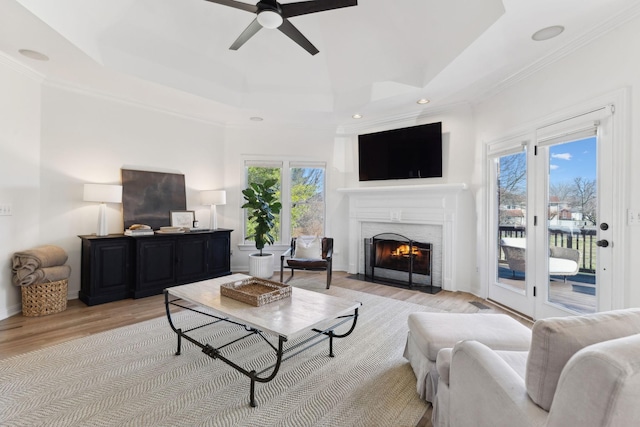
{"x": 307, "y": 200}
{"x": 259, "y": 173}
{"x": 301, "y": 188}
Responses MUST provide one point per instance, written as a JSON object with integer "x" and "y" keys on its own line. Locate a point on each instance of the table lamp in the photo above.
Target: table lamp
{"x": 103, "y": 194}
{"x": 213, "y": 198}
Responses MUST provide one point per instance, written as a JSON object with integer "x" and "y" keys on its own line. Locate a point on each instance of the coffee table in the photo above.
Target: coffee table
{"x": 305, "y": 312}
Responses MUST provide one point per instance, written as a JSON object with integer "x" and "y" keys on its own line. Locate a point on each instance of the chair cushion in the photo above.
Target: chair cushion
{"x": 307, "y": 263}
{"x": 556, "y": 340}
{"x": 308, "y": 247}
{"x": 562, "y": 266}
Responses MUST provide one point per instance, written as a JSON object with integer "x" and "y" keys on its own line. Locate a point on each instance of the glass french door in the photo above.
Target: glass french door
{"x": 574, "y": 257}
{"x": 551, "y": 219}
{"x": 510, "y": 282}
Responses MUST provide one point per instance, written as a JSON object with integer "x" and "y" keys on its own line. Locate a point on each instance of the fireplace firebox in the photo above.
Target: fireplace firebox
{"x": 397, "y": 260}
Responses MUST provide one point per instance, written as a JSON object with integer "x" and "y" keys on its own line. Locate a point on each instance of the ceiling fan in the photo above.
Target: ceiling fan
{"x": 271, "y": 14}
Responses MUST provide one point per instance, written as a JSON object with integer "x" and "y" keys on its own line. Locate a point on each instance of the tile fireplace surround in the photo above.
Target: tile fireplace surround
{"x": 416, "y": 211}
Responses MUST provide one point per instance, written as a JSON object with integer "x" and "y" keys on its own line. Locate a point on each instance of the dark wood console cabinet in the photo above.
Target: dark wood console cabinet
{"x": 106, "y": 273}
{"x": 115, "y": 267}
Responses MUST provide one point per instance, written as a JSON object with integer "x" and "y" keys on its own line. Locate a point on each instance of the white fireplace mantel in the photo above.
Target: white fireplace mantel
{"x": 426, "y": 188}
{"x": 435, "y": 204}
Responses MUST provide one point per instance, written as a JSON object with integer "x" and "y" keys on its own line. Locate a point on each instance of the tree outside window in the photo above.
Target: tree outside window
{"x": 302, "y": 198}
{"x": 307, "y": 201}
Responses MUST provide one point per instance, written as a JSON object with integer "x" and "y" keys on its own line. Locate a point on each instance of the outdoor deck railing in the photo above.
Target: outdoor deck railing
{"x": 584, "y": 240}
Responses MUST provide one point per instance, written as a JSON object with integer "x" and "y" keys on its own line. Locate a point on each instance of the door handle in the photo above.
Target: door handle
{"x": 602, "y": 243}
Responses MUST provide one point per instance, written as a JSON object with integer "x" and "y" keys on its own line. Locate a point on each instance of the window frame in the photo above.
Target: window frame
{"x": 285, "y": 165}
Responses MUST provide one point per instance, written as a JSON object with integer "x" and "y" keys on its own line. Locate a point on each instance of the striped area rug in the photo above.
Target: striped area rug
{"x": 131, "y": 377}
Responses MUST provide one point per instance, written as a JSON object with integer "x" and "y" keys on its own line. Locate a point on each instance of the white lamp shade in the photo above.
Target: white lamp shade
{"x": 213, "y": 197}
{"x": 102, "y": 193}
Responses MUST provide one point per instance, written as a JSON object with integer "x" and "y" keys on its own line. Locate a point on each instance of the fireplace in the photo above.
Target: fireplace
{"x": 397, "y": 260}
{"x": 436, "y": 213}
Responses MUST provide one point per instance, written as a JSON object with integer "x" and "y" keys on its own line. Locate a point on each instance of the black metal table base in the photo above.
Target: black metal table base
{"x": 281, "y": 352}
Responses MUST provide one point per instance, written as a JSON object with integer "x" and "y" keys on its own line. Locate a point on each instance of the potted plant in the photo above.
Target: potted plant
{"x": 262, "y": 205}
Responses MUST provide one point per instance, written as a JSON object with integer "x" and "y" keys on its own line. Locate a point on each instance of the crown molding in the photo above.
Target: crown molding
{"x": 21, "y": 68}
{"x": 83, "y": 90}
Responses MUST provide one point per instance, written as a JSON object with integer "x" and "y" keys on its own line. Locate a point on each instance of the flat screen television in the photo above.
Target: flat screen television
{"x": 413, "y": 152}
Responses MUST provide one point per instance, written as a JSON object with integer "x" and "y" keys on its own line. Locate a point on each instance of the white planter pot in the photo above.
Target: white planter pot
{"x": 261, "y": 266}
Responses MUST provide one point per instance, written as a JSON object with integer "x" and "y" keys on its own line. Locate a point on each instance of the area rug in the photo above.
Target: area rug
{"x": 130, "y": 377}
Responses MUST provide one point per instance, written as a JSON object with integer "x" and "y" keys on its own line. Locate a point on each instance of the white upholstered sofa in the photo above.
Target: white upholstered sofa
{"x": 579, "y": 371}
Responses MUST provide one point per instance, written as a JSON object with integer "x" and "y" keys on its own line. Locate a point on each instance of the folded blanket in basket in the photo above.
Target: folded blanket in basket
{"x": 24, "y": 277}
{"x": 39, "y": 257}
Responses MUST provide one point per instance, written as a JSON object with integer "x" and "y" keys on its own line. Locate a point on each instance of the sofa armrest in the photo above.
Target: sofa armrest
{"x": 486, "y": 391}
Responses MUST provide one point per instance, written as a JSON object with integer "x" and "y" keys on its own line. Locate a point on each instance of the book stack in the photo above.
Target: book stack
{"x": 139, "y": 231}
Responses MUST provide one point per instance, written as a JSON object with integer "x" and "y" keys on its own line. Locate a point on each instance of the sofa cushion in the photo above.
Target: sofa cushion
{"x": 600, "y": 386}
{"x": 555, "y": 340}
{"x": 443, "y": 364}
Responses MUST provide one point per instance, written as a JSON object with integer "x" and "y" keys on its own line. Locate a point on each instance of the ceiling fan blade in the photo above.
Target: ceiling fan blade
{"x": 249, "y": 32}
{"x": 236, "y": 4}
{"x": 305, "y": 7}
{"x": 295, "y": 35}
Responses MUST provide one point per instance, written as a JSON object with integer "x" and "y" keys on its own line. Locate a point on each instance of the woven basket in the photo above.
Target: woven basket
{"x": 255, "y": 291}
{"x": 40, "y": 299}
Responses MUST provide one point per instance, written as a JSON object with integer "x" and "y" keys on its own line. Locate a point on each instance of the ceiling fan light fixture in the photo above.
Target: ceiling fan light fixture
{"x": 270, "y": 19}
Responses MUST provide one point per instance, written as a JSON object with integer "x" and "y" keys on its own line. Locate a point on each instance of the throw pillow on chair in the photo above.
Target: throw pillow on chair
{"x": 308, "y": 247}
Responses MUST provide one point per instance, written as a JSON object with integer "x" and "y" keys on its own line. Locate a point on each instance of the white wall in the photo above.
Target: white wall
{"x": 19, "y": 174}
{"x": 606, "y": 65}
{"x": 74, "y": 138}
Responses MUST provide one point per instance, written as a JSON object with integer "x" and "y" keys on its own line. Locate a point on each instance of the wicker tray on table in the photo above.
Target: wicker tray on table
{"x": 255, "y": 291}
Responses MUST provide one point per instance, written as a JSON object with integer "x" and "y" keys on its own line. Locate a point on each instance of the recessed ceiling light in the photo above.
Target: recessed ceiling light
{"x": 256, "y": 119}
{"x": 357, "y": 116}
{"x": 423, "y": 101}
{"x": 34, "y": 54}
{"x": 547, "y": 33}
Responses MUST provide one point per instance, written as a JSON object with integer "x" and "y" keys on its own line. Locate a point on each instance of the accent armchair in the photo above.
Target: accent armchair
{"x": 304, "y": 256}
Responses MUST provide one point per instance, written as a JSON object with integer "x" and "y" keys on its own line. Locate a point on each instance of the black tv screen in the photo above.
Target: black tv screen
{"x": 413, "y": 152}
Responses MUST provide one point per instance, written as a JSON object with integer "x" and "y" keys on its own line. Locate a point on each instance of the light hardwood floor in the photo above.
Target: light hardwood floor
{"x": 20, "y": 334}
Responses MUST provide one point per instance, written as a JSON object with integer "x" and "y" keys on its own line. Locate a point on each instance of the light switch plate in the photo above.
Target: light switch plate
{"x": 5, "y": 209}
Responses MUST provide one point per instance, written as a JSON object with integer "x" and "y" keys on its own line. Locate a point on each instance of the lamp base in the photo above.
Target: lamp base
{"x": 213, "y": 220}
{"x": 102, "y": 221}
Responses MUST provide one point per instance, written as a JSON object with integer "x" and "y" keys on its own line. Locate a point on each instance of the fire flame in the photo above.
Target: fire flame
{"x": 404, "y": 250}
